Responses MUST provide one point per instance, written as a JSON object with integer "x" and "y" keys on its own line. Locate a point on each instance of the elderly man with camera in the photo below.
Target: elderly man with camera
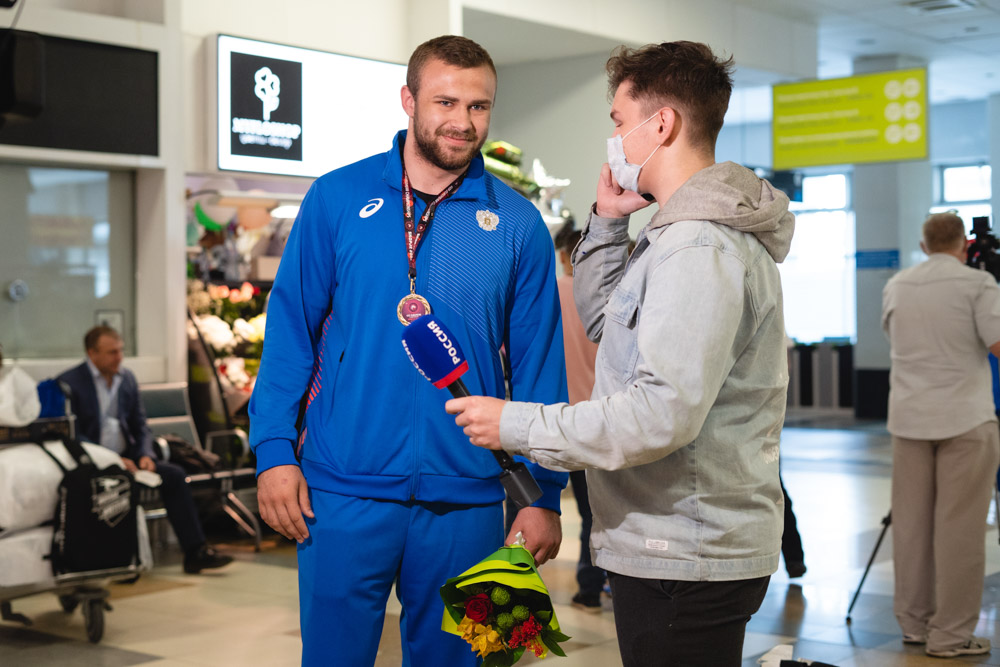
{"x": 941, "y": 318}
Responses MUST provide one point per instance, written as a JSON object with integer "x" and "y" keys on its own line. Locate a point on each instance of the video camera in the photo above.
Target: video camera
{"x": 982, "y": 251}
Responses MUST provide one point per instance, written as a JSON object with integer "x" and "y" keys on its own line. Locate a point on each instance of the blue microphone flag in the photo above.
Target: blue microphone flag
{"x": 434, "y": 351}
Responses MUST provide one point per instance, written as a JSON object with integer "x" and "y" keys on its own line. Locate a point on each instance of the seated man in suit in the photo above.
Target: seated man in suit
{"x": 105, "y": 400}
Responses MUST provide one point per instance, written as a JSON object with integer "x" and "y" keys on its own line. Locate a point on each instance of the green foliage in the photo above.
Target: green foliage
{"x": 503, "y": 658}
{"x": 550, "y": 639}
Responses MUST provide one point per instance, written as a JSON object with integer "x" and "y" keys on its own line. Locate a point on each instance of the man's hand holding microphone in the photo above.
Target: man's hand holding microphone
{"x": 437, "y": 356}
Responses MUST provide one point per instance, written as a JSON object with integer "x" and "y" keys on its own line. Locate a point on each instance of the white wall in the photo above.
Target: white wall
{"x": 759, "y": 40}
{"x": 557, "y": 112}
{"x": 959, "y": 132}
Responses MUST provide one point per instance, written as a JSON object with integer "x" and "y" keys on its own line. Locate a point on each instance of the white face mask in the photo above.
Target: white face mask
{"x": 626, "y": 173}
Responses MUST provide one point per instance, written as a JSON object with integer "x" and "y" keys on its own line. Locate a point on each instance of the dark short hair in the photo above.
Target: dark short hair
{"x": 686, "y": 76}
{"x": 943, "y": 231}
{"x": 450, "y": 49}
{"x": 91, "y": 337}
{"x": 567, "y": 237}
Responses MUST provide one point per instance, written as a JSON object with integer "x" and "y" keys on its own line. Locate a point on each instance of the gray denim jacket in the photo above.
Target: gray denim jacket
{"x": 681, "y": 433}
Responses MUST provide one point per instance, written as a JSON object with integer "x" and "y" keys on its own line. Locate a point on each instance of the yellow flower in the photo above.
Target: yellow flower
{"x": 483, "y": 638}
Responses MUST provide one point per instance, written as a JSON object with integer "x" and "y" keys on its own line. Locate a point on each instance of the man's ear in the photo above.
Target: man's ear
{"x": 409, "y": 102}
{"x": 668, "y": 125}
{"x": 923, "y": 246}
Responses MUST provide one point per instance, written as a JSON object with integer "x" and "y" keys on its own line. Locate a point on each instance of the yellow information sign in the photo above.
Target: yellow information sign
{"x": 867, "y": 118}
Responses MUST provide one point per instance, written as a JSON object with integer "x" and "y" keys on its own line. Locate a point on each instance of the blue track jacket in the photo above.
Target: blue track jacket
{"x": 374, "y": 428}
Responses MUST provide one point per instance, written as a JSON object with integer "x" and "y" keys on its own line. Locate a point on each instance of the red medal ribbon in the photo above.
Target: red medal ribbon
{"x": 415, "y": 233}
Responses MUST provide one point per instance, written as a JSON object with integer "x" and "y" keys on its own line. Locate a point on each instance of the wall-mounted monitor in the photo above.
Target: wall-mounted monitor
{"x": 300, "y": 112}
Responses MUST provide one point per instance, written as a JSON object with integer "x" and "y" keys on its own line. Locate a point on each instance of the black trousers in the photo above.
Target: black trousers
{"x": 589, "y": 577}
{"x": 791, "y": 542}
{"x": 181, "y": 510}
{"x": 666, "y": 623}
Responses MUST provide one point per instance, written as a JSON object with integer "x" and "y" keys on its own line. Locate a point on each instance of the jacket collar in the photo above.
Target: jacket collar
{"x": 96, "y": 374}
{"x": 473, "y": 187}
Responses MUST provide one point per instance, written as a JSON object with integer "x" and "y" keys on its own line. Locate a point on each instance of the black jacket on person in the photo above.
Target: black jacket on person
{"x": 131, "y": 414}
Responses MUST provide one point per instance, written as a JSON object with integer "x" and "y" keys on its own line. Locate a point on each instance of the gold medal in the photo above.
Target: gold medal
{"x": 411, "y": 307}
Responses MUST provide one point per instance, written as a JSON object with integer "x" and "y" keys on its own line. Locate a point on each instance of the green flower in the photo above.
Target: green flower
{"x": 520, "y": 613}
{"x": 500, "y": 596}
{"x": 505, "y": 621}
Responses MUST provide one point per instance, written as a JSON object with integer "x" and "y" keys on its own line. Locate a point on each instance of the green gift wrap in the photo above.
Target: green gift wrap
{"x": 502, "y": 608}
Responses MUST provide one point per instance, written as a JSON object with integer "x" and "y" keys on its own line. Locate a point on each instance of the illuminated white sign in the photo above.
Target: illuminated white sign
{"x": 300, "y": 112}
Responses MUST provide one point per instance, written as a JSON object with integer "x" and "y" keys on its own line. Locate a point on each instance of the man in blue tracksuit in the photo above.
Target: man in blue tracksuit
{"x": 357, "y": 459}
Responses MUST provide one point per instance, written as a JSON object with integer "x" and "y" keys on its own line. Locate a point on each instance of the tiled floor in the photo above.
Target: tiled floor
{"x": 836, "y": 471}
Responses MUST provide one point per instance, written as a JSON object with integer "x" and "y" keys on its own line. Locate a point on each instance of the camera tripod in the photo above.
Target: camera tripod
{"x": 886, "y": 521}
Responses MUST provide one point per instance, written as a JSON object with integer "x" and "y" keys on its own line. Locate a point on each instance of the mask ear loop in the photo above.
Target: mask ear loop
{"x": 640, "y": 125}
{"x": 655, "y": 114}
{"x": 650, "y": 156}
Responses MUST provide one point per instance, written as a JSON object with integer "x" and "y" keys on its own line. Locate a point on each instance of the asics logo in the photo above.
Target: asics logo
{"x": 373, "y": 206}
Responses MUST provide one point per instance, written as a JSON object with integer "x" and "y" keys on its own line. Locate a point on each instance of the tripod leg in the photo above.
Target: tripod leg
{"x": 886, "y": 520}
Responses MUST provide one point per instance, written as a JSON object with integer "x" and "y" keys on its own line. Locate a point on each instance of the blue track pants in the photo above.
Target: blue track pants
{"x": 358, "y": 548}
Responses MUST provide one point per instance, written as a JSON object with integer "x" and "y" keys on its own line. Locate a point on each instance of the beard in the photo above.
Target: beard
{"x": 443, "y": 156}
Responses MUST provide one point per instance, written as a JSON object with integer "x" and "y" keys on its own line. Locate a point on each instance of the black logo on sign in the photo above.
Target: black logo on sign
{"x": 265, "y": 107}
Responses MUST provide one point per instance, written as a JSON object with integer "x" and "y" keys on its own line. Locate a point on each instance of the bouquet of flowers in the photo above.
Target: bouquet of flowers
{"x": 502, "y": 608}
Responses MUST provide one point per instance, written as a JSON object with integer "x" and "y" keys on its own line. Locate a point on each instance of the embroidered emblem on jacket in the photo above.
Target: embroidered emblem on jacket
{"x": 488, "y": 220}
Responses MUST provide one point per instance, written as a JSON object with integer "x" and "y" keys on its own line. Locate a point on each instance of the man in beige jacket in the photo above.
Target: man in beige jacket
{"x": 941, "y": 318}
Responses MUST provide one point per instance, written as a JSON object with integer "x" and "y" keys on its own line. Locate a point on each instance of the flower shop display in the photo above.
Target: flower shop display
{"x": 501, "y": 607}
{"x": 232, "y": 324}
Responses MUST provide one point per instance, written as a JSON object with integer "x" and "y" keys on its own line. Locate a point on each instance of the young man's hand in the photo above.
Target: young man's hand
{"x": 479, "y": 417}
{"x": 614, "y": 201}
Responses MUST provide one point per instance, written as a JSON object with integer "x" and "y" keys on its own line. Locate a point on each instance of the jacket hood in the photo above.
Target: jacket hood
{"x": 731, "y": 195}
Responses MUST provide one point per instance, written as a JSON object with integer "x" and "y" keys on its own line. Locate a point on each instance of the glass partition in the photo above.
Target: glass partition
{"x": 67, "y": 260}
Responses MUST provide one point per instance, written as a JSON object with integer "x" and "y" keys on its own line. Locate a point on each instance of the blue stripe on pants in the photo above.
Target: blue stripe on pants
{"x": 358, "y": 548}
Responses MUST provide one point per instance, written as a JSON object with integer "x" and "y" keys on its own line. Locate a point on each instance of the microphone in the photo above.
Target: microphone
{"x": 437, "y": 356}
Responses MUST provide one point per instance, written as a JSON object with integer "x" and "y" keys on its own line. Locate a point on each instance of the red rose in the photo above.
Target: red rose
{"x": 478, "y": 607}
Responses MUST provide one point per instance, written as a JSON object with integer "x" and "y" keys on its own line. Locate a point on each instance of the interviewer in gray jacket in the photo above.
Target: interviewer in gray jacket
{"x": 680, "y": 437}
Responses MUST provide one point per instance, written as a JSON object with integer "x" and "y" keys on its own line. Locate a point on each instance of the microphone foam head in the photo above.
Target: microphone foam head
{"x": 434, "y": 351}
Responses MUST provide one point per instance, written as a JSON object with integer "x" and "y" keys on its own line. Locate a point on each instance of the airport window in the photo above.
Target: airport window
{"x": 965, "y": 183}
{"x": 67, "y": 258}
{"x": 966, "y": 190}
{"x": 817, "y": 277}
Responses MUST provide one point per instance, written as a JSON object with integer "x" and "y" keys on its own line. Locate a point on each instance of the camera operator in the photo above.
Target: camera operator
{"x": 941, "y": 318}
{"x": 982, "y": 251}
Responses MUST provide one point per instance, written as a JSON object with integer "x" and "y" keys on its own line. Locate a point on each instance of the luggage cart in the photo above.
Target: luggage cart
{"x": 87, "y": 590}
